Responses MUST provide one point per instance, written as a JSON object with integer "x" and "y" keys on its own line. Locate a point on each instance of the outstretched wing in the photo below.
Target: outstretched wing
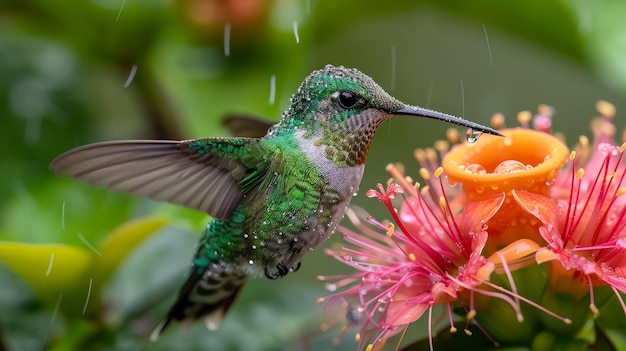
{"x": 201, "y": 174}
{"x": 243, "y": 125}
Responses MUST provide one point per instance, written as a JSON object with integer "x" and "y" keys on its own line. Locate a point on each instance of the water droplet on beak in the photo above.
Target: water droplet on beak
{"x": 472, "y": 135}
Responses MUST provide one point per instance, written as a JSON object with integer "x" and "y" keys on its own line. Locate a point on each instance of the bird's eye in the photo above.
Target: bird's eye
{"x": 348, "y": 99}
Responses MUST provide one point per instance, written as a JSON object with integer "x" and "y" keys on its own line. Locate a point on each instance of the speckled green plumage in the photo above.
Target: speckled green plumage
{"x": 276, "y": 204}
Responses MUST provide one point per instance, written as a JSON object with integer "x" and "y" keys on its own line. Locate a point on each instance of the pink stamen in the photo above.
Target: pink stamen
{"x": 571, "y": 205}
{"x": 430, "y": 328}
{"x": 450, "y": 318}
{"x": 453, "y": 227}
{"x": 619, "y": 298}
{"x": 532, "y": 303}
{"x": 509, "y": 277}
{"x": 592, "y": 303}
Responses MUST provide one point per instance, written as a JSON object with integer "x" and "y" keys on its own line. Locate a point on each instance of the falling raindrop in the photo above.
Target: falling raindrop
{"x": 50, "y": 264}
{"x": 488, "y": 46}
{"x": 63, "y": 216}
{"x": 88, "y": 295}
{"x": 295, "y": 32}
{"x": 227, "y": 39}
{"x": 88, "y": 244}
{"x": 131, "y": 76}
{"x": 272, "y": 89}
{"x": 119, "y": 13}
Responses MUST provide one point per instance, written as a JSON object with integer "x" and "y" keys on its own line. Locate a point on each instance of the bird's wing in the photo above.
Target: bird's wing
{"x": 202, "y": 174}
{"x": 242, "y": 125}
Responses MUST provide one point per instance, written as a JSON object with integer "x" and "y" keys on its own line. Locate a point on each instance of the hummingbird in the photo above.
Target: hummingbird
{"x": 273, "y": 198}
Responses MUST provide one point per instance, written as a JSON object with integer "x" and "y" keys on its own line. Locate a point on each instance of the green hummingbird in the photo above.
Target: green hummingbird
{"x": 273, "y": 198}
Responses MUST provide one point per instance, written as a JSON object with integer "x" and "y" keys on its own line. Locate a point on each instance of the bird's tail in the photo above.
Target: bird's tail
{"x": 206, "y": 295}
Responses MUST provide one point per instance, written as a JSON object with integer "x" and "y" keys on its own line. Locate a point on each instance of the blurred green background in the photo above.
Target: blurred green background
{"x": 73, "y": 72}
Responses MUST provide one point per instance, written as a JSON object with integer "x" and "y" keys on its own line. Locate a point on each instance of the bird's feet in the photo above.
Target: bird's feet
{"x": 281, "y": 271}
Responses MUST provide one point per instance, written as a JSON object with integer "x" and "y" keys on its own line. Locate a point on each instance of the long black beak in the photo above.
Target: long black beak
{"x": 409, "y": 110}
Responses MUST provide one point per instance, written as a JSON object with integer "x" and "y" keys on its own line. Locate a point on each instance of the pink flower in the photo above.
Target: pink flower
{"x": 494, "y": 209}
{"x": 586, "y": 232}
{"x": 434, "y": 258}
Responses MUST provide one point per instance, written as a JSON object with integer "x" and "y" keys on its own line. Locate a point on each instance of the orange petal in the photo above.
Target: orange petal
{"x": 541, "y": 207}
{"x": 477, "y": 213}
{"x": 404, "y": 312}
{"x": 514, "y": 251}
{"x": 523, "y": 159}
{"x": 545, "y": 255}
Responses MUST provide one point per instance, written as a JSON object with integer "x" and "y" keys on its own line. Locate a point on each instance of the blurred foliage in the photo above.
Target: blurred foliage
{"x": 78, "y": 72}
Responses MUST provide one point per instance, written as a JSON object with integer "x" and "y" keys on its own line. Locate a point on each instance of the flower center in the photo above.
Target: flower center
{"x": 523, "y": 160}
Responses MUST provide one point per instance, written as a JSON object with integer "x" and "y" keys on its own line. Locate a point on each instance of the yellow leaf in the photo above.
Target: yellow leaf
{"x": 122, "y": 241}
{"x": 50, "y": 269}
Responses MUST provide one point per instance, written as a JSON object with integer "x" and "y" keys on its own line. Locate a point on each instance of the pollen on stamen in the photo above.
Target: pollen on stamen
{"x": 583, "y": 141}
{"x": 467, "y": 332}
{"x": 412, "y": 257}
{"x": 391, "y": 230}
{"x": 524, "y": 117}
{"x": 470, "y": 315}
{"x": 609, "y": 176}
{"x": 572, "y": 155}
{"x": 605, "y": 108}
{"x": 438, "y": 172}
{"x": 622, "y": 148}
{"x": 424, "y": 174}
{"x": 594, "y": 310}
{"x": 389, "y": 181}
{"x": 420, "y": 155}
{"x": 580, "y": 173}
{"x": 431, "y": 154}
{"x": 369, "y": 347}
{"x": 452, "y": 134}
{"x": 443, "y": 201}
{"x": 441, "y": 146}
{"x": 545, "y": 110}
{"x": 389, "y": 166}
{"x": 453, "y": 330}
{"x": 497, "y": 121}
